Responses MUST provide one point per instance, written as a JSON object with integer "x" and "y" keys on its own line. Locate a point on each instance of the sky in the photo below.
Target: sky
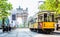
{"x": 32, "y": 6}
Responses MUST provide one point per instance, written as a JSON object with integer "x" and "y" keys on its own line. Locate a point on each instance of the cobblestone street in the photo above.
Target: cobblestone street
{"x": 27, "y": 33}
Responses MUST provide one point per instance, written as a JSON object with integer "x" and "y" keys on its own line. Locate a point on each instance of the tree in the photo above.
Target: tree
{"x": 51, "y": 5}
{"x": 4, "y": 10}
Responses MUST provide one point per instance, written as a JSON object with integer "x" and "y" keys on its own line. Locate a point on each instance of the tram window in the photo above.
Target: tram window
{"x": 31, "y": 21}
{"x": 35, "y": 20}
{"x": 45, "y": 17}
{"x": 53, "y": 18}
{"x": 39, "y": 18}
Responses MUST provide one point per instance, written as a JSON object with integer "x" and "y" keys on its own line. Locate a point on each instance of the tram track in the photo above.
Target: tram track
{"x": 31, "y": 34}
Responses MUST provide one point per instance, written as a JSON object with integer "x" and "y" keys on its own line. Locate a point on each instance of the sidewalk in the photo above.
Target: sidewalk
{"x": 0, "y": 30}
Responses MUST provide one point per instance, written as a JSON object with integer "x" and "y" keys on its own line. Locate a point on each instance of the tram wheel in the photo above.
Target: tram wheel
{"x": 31, "y": 29}
{"x": 47, "y": 31}
{"x": 40, "y": 31}
{"x": 35, "y": 30}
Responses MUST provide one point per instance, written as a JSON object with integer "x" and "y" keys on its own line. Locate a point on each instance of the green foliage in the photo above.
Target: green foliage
{"x": 51, "y": 5}
{"x": 4, "y": 8}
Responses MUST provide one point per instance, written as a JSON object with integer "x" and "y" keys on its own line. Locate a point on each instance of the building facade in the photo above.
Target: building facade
{"x": 19, "y": 13}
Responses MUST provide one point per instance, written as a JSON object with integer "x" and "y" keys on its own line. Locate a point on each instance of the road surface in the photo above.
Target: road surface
{"x": 27, "y": 33}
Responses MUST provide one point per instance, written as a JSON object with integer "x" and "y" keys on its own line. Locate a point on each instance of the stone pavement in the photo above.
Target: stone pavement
{"x": 27, "y": 33}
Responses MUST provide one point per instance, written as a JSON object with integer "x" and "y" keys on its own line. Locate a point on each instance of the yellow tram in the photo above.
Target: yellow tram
{"x": 43, "y": 21}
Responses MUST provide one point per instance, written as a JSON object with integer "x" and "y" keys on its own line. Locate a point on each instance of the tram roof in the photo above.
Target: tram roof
{"x": 42, "y": 12}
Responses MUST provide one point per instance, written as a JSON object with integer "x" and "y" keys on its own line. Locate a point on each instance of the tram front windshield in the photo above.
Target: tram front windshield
{"x": 48, "y": 17}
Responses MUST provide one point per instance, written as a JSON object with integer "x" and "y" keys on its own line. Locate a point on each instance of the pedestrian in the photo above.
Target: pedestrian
{"x": 57, "y": 26}
{"x": 9, "y": 27}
